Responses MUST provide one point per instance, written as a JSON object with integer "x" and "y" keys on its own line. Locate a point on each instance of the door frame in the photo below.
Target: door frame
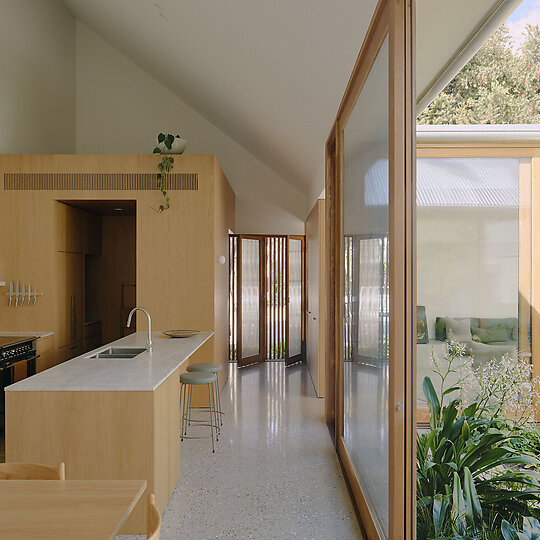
{"x": 302, "y": 356}
{"x": 262, "y": 267}
{"x": 262, "y": 353}
{"x": 395, "y": 18}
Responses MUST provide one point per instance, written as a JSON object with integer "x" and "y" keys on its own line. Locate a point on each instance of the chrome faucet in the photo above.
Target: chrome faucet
{"x": 149, "y": 339}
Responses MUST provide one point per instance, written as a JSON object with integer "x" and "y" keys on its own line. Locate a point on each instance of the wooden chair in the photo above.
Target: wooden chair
{"x": 153, "y": 519}
{"x": 31, "y": 471}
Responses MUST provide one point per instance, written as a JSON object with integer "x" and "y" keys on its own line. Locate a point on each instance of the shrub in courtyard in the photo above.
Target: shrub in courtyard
{"x": 470, "y": 478}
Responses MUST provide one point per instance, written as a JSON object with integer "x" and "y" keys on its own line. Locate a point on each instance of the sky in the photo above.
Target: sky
{"x": 528, "y": 12}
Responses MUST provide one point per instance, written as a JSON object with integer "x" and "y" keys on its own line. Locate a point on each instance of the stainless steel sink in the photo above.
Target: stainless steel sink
{"x": 119, "y": 352}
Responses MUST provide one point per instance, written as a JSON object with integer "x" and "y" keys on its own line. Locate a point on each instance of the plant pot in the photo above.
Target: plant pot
{"x": 178, "y": 146}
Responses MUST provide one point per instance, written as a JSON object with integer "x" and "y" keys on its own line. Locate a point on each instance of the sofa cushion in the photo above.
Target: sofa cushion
{"x": 458, "y": 330}
{"x": 440, "y": 325}
{"x": 508, "y": 322}
{"x": 494, "y": 334}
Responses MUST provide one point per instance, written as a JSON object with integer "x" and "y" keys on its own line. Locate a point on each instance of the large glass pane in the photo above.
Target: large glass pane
{"x": 295, "y": 297}
{"x": 474, "y": 264}
{"x": 251, "y": 284}
{"x": 365, "y": 220}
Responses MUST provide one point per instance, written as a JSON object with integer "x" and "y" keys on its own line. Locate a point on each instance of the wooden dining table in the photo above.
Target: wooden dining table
{"x": 66, "y": 509}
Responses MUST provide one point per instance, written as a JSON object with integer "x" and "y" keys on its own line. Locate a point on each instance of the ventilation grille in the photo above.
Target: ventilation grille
{"x": 99, "y": 182}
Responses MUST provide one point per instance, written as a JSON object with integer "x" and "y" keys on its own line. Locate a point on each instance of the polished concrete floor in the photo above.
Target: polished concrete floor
{"x": 274, "y": 475}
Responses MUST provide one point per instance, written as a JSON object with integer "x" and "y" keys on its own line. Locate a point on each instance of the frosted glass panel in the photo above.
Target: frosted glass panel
{"x": 365, "y": 219}
{"x": 251, "y": 284}
{"x": 473, "y": 260}
{"x": 295, "y": 295}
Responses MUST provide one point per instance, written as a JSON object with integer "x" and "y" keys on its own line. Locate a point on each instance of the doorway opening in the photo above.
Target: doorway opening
{"x": 267, "y": 298}
{"x": 108, "y": 268}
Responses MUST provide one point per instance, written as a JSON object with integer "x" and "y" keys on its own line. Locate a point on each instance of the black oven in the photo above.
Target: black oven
{"x": 17, "y": 362}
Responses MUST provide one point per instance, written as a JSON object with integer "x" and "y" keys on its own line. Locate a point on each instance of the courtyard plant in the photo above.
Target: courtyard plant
{"x": 471, "y": 477}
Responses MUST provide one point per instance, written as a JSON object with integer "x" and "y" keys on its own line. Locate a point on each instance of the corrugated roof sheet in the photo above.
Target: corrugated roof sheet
{"x": 448, "y": 182}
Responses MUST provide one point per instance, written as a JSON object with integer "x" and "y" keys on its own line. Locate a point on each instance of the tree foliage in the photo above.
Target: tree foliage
{"x": 499, "y": 85}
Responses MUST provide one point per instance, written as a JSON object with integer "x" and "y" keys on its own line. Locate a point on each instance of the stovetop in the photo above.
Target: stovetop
{"x": 8, "y": 341}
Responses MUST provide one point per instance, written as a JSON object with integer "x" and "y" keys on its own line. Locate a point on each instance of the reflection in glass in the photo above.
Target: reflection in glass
{"x": 250, "y": 297}
{"x": 365, "y": 219}
{"x": 295, "y": 295}
{"x": 473, "y": 260}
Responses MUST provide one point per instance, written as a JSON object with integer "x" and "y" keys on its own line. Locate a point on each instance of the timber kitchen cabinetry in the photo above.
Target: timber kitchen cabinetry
{"x": 78, "y": 233}
{"x": 174, "y": 256}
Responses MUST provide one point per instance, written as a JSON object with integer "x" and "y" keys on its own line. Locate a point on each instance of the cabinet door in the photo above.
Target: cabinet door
{"x": 70, "y": 298}
{"x": 45, "y": 351}
{"x": 60, "y": 355}
{"x": 75, "y": 349}
{"x": 92, "y": 234}
{"x": 69, "y": 228}
{"x": 62, "y": 312}
{"x": 91, "y": 343}
{"x": 76, "y": 296}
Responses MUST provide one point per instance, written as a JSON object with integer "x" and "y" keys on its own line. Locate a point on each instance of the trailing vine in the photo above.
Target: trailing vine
{"x": 164, "y": 167}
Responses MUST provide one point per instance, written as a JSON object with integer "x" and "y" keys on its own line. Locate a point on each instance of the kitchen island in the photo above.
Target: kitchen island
{"x": 107, "y": 418}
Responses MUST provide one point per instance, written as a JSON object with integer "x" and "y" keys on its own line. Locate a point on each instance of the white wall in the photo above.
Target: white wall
{"x": 120, "y": 109}
{"x": 467, "y": 262}
{"x": 259, "y": 219}
{"x": 37, "y": 77}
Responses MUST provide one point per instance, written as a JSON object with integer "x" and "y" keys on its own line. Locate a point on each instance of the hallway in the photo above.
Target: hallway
{"x": 275, "y": 473}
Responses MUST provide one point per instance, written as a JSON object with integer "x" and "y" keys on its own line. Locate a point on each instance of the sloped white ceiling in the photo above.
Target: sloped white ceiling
{"x": 269, "y": 73}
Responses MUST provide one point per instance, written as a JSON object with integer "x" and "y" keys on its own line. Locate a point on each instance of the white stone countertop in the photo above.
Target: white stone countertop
{"x": 27, "y": 334}
{"x": 144, "y": 372}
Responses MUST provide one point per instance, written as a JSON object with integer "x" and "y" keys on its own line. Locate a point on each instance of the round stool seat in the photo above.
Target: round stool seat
{"x": 205, "y": 367}
{"x": 198, "y": 378}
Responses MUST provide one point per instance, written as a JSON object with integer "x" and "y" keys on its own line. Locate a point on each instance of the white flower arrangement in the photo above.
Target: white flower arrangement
{"x": 503, "y": 388}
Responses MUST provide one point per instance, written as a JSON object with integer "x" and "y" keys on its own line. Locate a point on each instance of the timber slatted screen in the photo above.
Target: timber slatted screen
{"x": 98, "y": 181}
{"x": 274, "y": 290}
{"x": 233, "y": 299}
{"x": 276, "y": 300}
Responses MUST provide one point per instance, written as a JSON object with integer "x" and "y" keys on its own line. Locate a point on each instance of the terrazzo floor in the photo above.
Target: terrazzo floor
{"x": 274, "y": 475}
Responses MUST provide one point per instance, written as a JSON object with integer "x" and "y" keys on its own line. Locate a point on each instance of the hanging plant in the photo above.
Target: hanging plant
{"x": 167, "y": 162}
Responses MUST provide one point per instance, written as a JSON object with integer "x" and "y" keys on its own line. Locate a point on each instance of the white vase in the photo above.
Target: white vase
{"x": 178, "y": 146}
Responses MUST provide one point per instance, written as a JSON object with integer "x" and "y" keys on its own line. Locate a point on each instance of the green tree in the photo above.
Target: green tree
{"x": 499, "y": 85}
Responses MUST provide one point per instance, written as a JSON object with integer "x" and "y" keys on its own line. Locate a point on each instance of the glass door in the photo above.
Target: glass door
{"x": 372, "y": 310}
{"x": 295, "y": 300}
{"x": 267, "y": 299}
{"x": 250, "y": 301}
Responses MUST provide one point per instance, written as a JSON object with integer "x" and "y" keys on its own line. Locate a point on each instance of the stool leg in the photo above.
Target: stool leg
{"x": 183, "y": 409}
{"x": 215, "y": 409}
{"x": 211, "y": 418}
{"x": 219, "y": 403}
{"x": 190, "y": 403}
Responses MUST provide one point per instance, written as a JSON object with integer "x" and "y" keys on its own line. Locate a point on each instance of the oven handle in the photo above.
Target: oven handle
{"x": 32, "y": 358}
{"x": 31, "y": 355}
